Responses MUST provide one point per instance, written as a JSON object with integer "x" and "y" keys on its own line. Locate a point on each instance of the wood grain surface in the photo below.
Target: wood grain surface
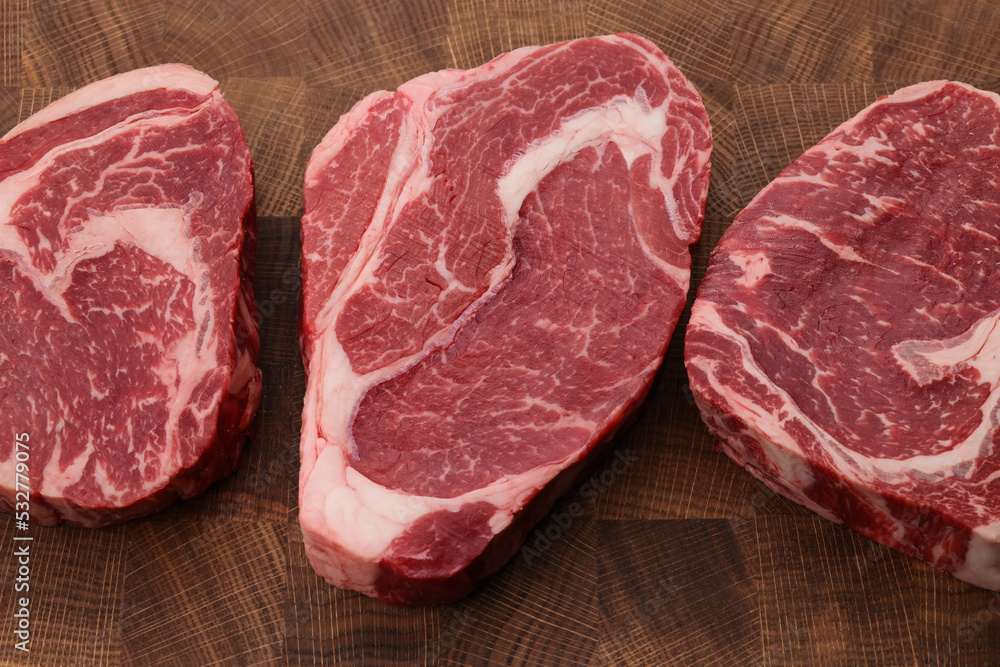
{"x": 681, "y": 557}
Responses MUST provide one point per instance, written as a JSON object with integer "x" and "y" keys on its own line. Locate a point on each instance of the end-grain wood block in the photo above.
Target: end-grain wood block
{"x": 531, "y": 612}
{"x": 12, "y": 42}
{"x": 541, "y": 609}
{"x": 266, "y": 483}
{"x": 75, "y": 587}
{"x": 480, "y": 31}
{"x": 272, "y": 114}
{"x": 676, "y": 592}
{"x": 674, "y": 470}
{"x": 10, "y": 106}
{"x": 924, "y": 40}
{"x": 277, "y": 282}
{"x": 203, "y": 592}
{"x": 75, "y": 42}
{"x": 375, "y": 44}
{"x": 682, "y": 557}
{"x": 230, "y": 38}
{"x": 791, "y": 41}
{"x": 723, "y": 201}
{"x": 325, "y": 104}
{"x": 34, "y": 99}
{"x": 832, "y": 597}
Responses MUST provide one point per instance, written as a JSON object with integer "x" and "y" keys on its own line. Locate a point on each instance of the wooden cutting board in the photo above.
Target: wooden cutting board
{"x": 682, "y": 558}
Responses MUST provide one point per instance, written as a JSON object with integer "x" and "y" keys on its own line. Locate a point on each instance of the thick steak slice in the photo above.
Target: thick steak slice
{"x": 128, "y": 333}
{"x": 844, "y": 344}
{"x": 493, "y": 263}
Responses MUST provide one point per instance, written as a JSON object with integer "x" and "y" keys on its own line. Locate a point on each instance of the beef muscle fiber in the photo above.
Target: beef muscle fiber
{"x": 128, "y": 333}
{"x": 844, "y": 343}
{"x": 493, "y": 263}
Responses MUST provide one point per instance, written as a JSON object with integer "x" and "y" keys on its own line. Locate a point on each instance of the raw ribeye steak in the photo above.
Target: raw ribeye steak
{"x": 128, "y": 332}
{"x": 844, "y": 343}
{"x": 493, "y": 263}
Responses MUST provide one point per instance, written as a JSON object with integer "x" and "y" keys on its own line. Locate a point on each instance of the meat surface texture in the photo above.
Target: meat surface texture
{"x": 128, "y": 332}
{"x": 493, "y": 263}
{"x": 844, "y": 343}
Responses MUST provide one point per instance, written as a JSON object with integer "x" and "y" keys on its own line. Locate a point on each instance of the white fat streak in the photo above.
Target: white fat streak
{"x": 871, "y": 145}
{"x": 103, "y": 481}
{"x": 568, "y": 419}
{"x": 845, "y": 252}
{"x": 783, "y": 450}
{"x": 704, "y": 314}
{"x": 755, "y": 266}
{"x": 193, "y": 365}
{"x": 981, "y": 565}
{"x": 14, "y": 187}
{"x": 340, "y": 388}
{"x": 636, "y": 131}
{"x": 159, "y": 232}
{"x": 870, "y": 150}
{"x": 978, "y": 348}
{"x": 63, "y": 477}
{"x": 982, "y": 558}
{"x": 363, "y": 517}
{"x": 175, "y": 76}
{"x": 333, "y": 388}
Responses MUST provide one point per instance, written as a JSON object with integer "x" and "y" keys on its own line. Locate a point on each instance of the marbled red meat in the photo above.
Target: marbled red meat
{"x": 843, "y": 345}
{"x": 128, "y": 333}
{"x": 493, "y": 264}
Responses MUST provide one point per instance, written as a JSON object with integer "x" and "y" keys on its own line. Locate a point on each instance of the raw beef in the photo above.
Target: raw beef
{"x": 844, "y": 344}
{"x": 493, "y": 264}
{"x": 128, "y": 332}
